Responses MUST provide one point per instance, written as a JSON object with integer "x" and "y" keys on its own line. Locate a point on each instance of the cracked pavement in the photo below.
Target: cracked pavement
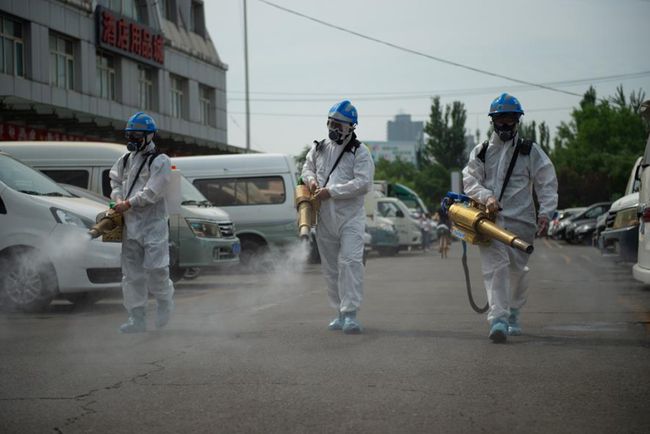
{"x": 251, "y": 353}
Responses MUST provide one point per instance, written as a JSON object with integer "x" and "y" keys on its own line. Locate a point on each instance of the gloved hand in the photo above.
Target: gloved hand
{"x": 322, "y": 194}
{"x": 313, "y": 185}
{"x": 492, "y": 204}
{"x": 542, "y": 225}
{"x": 122, "y": 206}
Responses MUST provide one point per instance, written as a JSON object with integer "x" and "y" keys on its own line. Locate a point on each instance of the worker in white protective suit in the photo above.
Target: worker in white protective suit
{"x": 339, "y": 171}
{"x": 486, "y": 180}
{"x": 139, "y": 181}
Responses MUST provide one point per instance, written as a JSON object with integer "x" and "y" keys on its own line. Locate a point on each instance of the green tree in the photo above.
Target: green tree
{"x": 595, "y": 151}
{"x": 445, "y": 129}
{"x": 430, "y": 181}
{"x": 540, "y": 134}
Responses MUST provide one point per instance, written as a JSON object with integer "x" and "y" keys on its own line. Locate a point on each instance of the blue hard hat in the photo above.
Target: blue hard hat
{"x": 344, "y": 111}
{"x": 505, "y": 104}
{"x": 141, "y": 122}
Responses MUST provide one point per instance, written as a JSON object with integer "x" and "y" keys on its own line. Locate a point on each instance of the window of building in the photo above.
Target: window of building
{"x": 12, "y": 55}
{"x": 61, "y": 61}
{"x": 206, "y": 105}
{"x": 263, "y": 190}
{"x": 168, "y": 9}
{"x": 177, "y": 96}
{"x": 134, "y": 9}
{"x": 105, "y": 76}
{"x": 197, "y": 18}
{"x": 145, "y": 88}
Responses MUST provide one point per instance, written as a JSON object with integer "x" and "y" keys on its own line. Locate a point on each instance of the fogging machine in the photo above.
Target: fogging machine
{"x": 471, "y": 223}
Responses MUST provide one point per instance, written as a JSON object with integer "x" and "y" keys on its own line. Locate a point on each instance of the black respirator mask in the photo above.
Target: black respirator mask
{"x": 338, "y": 131}
{"x": 505, "y": 130}
{"x": 136, "y": 140}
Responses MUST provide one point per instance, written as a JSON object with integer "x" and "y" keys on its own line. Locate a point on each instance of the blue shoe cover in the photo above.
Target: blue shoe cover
{"x": 350, "y": 325}
{"x": 498, "y": 331}
{"x": 136, "y": 322}
{"x": 514, "y": 329}
{"x": 165, "y": 309}
{"x": 336, "y": 323}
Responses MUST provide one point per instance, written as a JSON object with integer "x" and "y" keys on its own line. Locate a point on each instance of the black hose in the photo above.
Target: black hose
{"x": 469, "y": 285}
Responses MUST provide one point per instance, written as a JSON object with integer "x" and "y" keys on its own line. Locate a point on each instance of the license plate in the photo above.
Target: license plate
{"x": 236, "y": 248}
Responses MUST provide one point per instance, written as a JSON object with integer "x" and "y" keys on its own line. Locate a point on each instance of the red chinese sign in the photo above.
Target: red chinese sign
{"x": 22, "y": 133}
{"x": 127, "y": 37}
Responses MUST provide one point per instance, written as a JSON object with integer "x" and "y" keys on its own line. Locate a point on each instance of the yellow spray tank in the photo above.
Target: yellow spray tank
{"x": 472, "y": 224}
{"x": 307, "y": 207}
{"x": 109, "y": 226}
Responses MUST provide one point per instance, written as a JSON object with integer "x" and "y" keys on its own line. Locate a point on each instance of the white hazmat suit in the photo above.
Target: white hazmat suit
{"x": 504, "y": 268}
{"x": 342, "y": 218}
{"x": 145, "y": 245}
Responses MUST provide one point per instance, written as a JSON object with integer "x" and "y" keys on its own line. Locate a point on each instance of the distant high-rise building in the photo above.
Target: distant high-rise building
{"x": 402, "y": 129}
{"x": 405, "y": 139}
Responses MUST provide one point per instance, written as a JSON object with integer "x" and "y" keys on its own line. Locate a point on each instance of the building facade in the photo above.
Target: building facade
{"x": 78, "y": 69}
{"x": 405, "y": 140}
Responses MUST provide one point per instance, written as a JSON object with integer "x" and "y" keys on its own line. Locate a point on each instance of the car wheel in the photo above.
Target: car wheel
{"x": 176, "y": 273}
{"x": 253, "y": 255}
{"x": 27, "y": 283}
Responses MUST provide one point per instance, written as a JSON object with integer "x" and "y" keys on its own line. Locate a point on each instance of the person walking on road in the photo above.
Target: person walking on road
{"x": 502, "y": 174}
{"x": 139, "y": 181}
{"x": 339, "y": 172}
{"x": 443, "y": 234}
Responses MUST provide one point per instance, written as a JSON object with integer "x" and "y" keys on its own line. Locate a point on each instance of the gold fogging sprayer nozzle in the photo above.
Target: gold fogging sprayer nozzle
{"x": 109, "y": 226}
{"x": 473, "y": 225}
{"x": 307, "y": 208}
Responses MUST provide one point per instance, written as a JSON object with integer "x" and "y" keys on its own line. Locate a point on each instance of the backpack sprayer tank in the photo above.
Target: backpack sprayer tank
{"x": 472, "y": 224}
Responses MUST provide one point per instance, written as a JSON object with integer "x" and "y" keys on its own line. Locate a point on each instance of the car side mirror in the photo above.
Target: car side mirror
{"x": 399, "y": 214}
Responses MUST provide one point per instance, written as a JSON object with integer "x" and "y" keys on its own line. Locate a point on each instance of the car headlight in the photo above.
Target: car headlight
{"x": 66, "y": 217}
{"x": 387, "y": 227}
{"x": 625, "y": 218}
{"x": 584, "y": 228}
{"x": 204, "y": 228}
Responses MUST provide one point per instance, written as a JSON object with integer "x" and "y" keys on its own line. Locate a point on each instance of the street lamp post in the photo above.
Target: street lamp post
{"x": 248, "y": 109}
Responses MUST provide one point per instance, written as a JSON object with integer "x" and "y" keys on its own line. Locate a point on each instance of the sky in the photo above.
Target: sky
{"x": 299, "y": 68}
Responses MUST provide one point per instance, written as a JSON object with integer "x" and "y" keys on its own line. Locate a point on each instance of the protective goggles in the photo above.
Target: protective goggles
{"x": 135, "y": 135}
{"x": 333, "y": 124}
{"x": 505, "y": 120}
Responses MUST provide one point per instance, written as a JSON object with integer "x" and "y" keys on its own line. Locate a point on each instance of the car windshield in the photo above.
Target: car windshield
{"x": 191, "y": 195}
{"x": 23, "y": 178}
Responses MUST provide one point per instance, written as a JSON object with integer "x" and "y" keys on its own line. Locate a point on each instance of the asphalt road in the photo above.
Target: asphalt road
{"x": 251, "y": 353}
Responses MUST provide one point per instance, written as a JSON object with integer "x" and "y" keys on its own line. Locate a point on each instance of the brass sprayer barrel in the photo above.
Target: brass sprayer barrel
{"x": 305, "y": 210}
{"x": 105, "y": 225}
{"x": 474, "y": 220}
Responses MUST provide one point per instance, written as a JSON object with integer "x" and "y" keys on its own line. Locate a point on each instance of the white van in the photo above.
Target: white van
{"x": 202, "y": 236}
{"x": 408, "y": 228}
{"x": 257, "y": 190}
{"x": 45, "y": 248}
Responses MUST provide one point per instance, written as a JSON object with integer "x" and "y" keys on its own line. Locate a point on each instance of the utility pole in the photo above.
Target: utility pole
{"x": 248, "y": 107}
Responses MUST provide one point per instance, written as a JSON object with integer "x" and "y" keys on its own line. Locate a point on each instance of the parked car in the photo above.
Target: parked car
{"x": 620, "y": 239}
{"x": 257, "y": 190}
{"x": 560, "y": 215}
{"x": 641, "y": 270}
{"x": 87, "y": 165}
{"x": 583, "y": 225}
{"x": 45, "y": 249}
{"x": 384, "y": 236}
{"x": 393, "y": 209}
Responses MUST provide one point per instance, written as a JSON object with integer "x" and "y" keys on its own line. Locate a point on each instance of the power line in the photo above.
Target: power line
{"x": 418, "y": 53}
{"x": 313, "y": 115}
{"x": 450, "y": 92}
